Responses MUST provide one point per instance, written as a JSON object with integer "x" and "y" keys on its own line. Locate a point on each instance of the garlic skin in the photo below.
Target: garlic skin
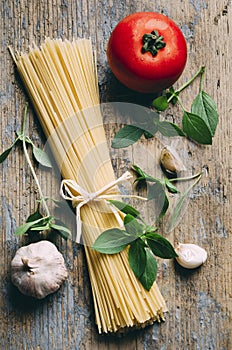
{"x": 190, "y": 255}
{"x": 170, "y": 160}
{"x": 38, "y": 269}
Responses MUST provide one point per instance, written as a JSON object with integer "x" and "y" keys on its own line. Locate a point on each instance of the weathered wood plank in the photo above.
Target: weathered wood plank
{"x": 200, "y": 302}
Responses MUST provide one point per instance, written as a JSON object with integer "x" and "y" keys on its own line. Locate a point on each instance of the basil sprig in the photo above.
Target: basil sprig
{"x": 157, "y": 190}
{"x": 36, "y": 221}
{"x": 144, "y": 244}
{"x": 199, "y": 124}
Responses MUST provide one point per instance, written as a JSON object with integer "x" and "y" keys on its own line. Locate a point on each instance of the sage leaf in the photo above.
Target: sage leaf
{"x": 126, "y": 136}
{"x": 149, "y": 275}
{"x": 160, "y": 103}
{"x": 132, "y": 226}
{"x": 63, "y": 230}
{"x": 160, "y": 246}
{"x": 137, "y": 257}
{"x": 206, "y": 108}
{"x": 5, "y": 154}
{"x": 112, "y": 241}
{"x": 125, "y": 208}
{"x": 196, "y": 128}
{"x": 41, "y": 156}
{"x": 170, "y": 129}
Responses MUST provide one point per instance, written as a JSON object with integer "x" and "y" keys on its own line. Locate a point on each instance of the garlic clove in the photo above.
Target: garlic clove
{"x": 38, "y": 269}
{"x": 190, "y": 255}
{"x": 170, "y": 160}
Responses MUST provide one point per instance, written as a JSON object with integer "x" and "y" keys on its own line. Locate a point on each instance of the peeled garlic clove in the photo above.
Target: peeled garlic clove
{"x": 190, "y": 255}
{"x": 38, "y": 269}
{"x": 170, "y": 160}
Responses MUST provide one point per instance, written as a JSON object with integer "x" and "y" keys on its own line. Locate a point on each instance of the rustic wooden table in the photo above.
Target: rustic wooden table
{"x": 200, "y": 301}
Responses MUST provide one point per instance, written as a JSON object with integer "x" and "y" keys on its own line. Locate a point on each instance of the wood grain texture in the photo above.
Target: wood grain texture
{"x": 199, "y": 301}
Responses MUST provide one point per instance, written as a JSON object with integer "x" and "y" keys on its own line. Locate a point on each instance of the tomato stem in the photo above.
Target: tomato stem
{"x": 152, "y": 43}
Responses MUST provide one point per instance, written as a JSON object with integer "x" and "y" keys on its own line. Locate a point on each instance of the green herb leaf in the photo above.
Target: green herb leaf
{"x": 125, "y": 208}
{"x": 126, "y": 136}
{"x": 160, "y": 103}
{"x": 170, "y": 129}
{"x": 157, "y": 192}
{"x": 142, "y": 176}
{"x": 160, "y": 246}
{"x": 195, "y": 127}
{"x": 149, "y": 275}
{"x": 40, "y": 228}
{"x": 177, "y": 211}
{"x": 112, "y": 241}
{"x": 171, "y": 188}
{"x": 5, "y": 154}
{"x": 206, "y": 108}
{"x": 41, "y": 156}
{"x": 63, "y": 230}
{"x": 27, "y": 226}
{"x": 137, "y": 257}
{"x": 34, "y": 216}
{"x": 172, "y": 95}
{"x": 148, "y": 135}
{"x": 132, "y": 226}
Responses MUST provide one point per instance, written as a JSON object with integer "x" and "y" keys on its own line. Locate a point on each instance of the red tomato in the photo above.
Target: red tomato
{"x": 147, "y": 63}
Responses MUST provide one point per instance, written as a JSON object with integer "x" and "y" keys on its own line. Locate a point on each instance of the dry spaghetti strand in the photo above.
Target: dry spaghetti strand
{"x": 61, "y": 80}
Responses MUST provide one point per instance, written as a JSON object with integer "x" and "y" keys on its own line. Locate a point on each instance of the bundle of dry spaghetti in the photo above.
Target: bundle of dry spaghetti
{"x": 61, "y": 80}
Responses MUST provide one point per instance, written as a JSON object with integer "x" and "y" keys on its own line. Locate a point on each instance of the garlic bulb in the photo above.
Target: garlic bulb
{"x": 38, "y": 269}
{"x": 190, "y": 255}
{"x": 170, "y": 160}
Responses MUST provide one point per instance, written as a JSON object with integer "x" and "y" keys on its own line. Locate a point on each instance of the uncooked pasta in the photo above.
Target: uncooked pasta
{"x": 61, "y": 79}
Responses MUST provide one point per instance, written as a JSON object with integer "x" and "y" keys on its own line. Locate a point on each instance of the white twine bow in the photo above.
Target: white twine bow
{"x": 68, "y": 187}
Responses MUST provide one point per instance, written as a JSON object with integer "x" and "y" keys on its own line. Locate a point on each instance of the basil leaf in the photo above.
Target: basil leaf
{"x": 148, "y": 135}
{"x": 5, "y": 154}
{"x": 149, "y": 275}
{"x": 41, "y": 156}
{"x": 195, "y": 127}
{"x": 160, "y": 103}
{"x": 40, "y": 228}
{"x": 34, "y": 216}
{"x": 206, "y": 108}
{"x": 126, "y": 136}
{"x": 62, "y": 229}
{"x": 171, "y": 188}
{"x": 157, "y": 192}
{"x": 125, "y": 208}
{"x": 177, "y": 211}
{"x": 160, "y": 246}
{"x": 142, "y": 175}
{"x": 170, "y": 129}
{"x": 132, "y": 226}
{"x": 137, "y": 257}
{"x": 112, "y": 241}
{"x": 28, "y": 225}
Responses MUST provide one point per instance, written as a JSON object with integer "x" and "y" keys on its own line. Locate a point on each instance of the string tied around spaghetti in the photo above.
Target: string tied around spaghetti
{"x": 82, "y": 197}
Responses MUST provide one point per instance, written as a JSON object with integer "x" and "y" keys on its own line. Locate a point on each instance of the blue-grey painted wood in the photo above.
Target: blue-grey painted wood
{"x": 199, "y": 301}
